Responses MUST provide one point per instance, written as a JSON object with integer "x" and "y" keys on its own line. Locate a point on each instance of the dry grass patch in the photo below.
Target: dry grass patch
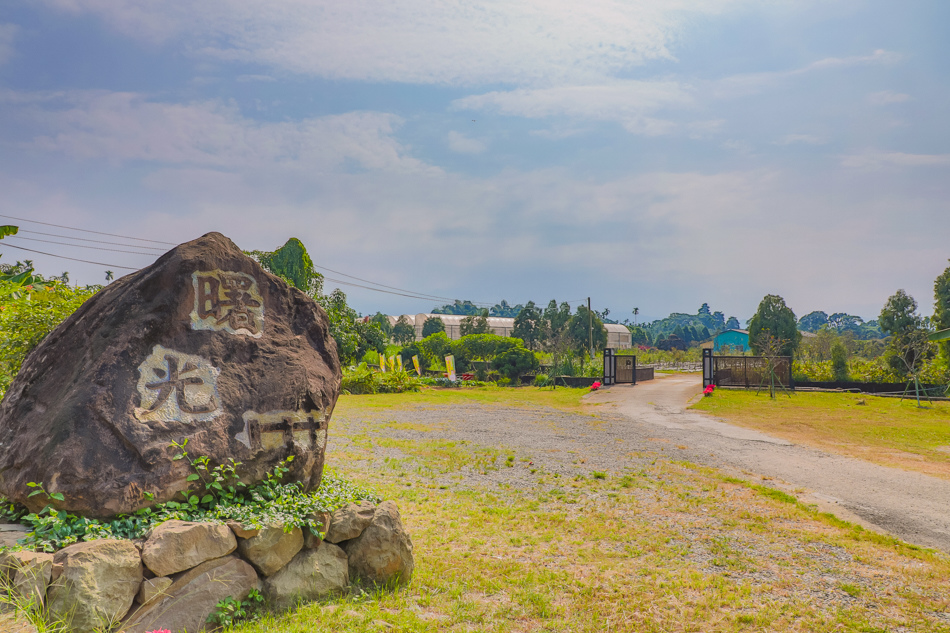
{"x": 881, "y": 430}
{"x": 665, "y": 546}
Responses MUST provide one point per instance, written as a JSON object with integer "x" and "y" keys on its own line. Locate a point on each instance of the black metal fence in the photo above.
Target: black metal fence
{"x": 745, "y": 371}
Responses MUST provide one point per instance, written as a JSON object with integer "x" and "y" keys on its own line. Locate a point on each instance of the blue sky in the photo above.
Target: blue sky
{"x": 655, "y": 154}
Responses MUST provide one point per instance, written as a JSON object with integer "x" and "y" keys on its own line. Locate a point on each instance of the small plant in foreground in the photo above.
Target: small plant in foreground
{"x": 229, "y": 611}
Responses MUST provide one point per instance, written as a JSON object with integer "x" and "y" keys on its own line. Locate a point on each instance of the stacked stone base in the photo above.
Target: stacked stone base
{"x": 175, "y": 578}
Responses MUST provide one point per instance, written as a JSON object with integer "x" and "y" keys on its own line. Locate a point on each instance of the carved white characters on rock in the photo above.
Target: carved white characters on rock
{"x": 227, "y": 301}
{"x": 177, "y": 387}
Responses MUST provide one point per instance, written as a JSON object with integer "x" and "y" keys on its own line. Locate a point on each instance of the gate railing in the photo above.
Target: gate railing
{"x": 745, "y": 371}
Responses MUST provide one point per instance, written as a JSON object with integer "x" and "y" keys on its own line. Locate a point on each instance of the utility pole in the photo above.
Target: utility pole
{"x": 590, "y": 330}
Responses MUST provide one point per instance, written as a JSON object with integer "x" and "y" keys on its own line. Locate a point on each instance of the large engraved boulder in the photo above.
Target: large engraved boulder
{"x": 202, "y": 345}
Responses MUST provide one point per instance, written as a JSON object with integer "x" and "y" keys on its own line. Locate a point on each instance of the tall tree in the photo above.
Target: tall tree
{"x": 941, "y": 318}
{"x": 776, "y": 320}
{"x": 907, "y": 329}
{"x": 432, "y": 325}
{"x": 292, "y": 263}
{"x": 813, "y": 321}
{"x": 403, "y": 332}
{"x": 733, "y": 324}
{"x": 475, "y": 324}
{"x": 583, "y": 326}
{"x": 528, "y": 326}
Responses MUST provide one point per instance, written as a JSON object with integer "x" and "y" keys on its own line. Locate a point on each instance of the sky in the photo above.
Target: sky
{"x": 655, "y": 154}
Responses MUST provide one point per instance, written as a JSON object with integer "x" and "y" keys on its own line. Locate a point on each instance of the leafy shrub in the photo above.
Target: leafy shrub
{"x": 269, "y": 501}
{"x": 541, "y": 380}
{"x": 515, "y": 362}
{"x": 363, "y": 380}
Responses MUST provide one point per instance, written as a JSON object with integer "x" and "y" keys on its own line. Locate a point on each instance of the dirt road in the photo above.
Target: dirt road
{"x": 909, "y": 505}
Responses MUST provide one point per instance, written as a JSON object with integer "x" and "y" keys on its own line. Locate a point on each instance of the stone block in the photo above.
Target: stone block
{"x": 349, "y": 521}
{"x": 175, "y": 546}
{"x": 99, "y": 582}
{"x": 312, "y": 574}
{"x": 382, "y": 554}
{"x": 186, "y": 604}
{"x": 272, "y": 548}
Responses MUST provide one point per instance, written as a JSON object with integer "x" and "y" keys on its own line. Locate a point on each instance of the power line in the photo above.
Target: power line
{"x": 95, "y": 248}
{"x": 72, "y": 228}
{"x": 82, "y": 239}
{"x": 417, "y": 295}
{"x": 85, "y": 261}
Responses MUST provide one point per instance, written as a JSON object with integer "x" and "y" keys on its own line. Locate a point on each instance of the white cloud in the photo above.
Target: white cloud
{"x": 887, "y": 97}
{"x": 126, "y": 126}
{"x": 752, "y": 83}
{"x": 8, "y": 34}
{"x": 881, "y": 160}
{"x": 462, "y": 144}
{"x": 631, "y": 103}
{"x": 802, "y": 139}
{"x": 417, "y": 41}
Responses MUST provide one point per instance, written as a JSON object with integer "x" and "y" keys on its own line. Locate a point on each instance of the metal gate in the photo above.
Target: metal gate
{"x": 619, "y": 369}
{"x": 745, "y": 371}
{"x": 610, "y": 367}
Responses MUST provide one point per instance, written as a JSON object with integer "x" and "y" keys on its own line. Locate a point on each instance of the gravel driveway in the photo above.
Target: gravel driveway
{"x": 634, "y": 424}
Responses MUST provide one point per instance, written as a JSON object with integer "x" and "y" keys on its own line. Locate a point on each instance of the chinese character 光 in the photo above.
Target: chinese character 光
{"x": 176, "y": 383}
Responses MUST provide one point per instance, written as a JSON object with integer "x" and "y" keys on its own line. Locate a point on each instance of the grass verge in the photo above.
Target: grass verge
{"x": 881, "y": 430}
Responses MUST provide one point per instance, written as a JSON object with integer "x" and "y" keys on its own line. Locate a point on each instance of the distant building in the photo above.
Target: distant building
{"x": 734, "y": 340}
{"x": 618, "y": 336}
{"x": 502, "y": 326}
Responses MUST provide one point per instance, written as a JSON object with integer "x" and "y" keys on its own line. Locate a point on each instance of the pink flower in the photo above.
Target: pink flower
{"x": 159, "y": 631}
{"x": 708, "y": 390}
{"x": 595, "y": 386}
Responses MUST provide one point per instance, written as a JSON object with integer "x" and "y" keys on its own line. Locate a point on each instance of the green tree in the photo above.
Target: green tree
{"x": 403, "y": 332}
{"x": 382, "y": 321}
{"x": 900, "y": 320}
{"x": 579, "y": 329}
{"x": 777, "y": 320}
{"x": 528, "y": 326}
{"x": 515, "y": 362}
{"x": 813, "y": 321}
{"x": 432, "y": 325}
{"x": 28, "y": 315}
{"x": 941, "y": 317}
{"x": 292, "y": 263}
{"x": 839, "y": 362}
{"x": 475, "y": 324}
{"x": 733, "y": 324}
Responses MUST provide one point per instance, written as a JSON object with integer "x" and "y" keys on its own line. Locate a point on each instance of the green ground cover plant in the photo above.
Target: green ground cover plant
{"x": 882, "y": 430}
{"x": 665, "y": 546}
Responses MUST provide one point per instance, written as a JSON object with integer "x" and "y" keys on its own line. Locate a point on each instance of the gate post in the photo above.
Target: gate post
{"x": 708, "y": 377}
{"x": 634, "y": 370}
{"x": 610, "y": 367}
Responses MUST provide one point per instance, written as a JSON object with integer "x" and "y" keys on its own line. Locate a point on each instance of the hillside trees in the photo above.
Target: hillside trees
{"x": 475, "y": 324}
{"x": 774, "y": 319}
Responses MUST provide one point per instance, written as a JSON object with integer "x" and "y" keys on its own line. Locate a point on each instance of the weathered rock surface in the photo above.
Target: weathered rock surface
{"x": 272, "y": 548}
{"x": 349, "y": 521}
{"x": 152, "y": 588}
{"x": 203, "y": 344}
{"x": 311, "y": 575}
{"x": 382, "y": 554}
{"x": 242, "y": 532}
{"x": 175, "y": 546}
{"x": 193, "y": 595}
{"x": 99, "y": 581}
{"x": 10, "y": 533}
{"x": 28, "y": 572}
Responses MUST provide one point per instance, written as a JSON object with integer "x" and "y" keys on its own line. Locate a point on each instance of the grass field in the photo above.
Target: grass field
{"x": 666, "y": 546}
{"x": 881, "y": 430}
